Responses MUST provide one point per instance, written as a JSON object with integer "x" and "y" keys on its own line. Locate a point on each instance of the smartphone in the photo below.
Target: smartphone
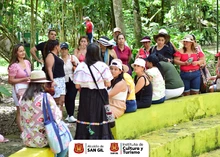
{"x": 190, "y": 60}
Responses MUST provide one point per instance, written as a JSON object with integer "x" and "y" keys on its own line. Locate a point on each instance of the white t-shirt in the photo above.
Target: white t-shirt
{"x": 158, "y": 83}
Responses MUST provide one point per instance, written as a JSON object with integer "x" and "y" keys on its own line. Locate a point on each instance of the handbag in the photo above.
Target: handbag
{"x": 205, "y": 74}
{"x": 58, "y": 135}
{"x": 109, "y": 114}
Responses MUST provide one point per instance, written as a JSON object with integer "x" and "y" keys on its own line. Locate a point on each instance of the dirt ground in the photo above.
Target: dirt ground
{"x": 8, "y": 126}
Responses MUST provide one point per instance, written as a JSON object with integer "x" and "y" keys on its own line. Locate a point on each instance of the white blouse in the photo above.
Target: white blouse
{"x": 68, "y": 68}
{"x": 83, "y": 77}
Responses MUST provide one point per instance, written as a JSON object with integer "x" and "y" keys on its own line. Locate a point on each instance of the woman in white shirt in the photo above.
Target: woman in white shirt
{"x": 156, "y": 75}
{"x": 92, "y": 122}
{"x": 70, "y": 63}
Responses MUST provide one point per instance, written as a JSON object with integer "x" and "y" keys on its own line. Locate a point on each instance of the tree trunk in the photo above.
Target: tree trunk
{"x": 113, "y": 25}
{"x": 33, "y": 34}
{"x": 119, "y": 20}
{"x": 162, "y": 12}
{"x": 137, "y": 23}
{"x": 62, "y": 36}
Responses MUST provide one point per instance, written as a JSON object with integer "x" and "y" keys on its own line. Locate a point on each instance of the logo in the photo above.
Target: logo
{"x": 78, "y": 148}
{"x": 114, "y": 147}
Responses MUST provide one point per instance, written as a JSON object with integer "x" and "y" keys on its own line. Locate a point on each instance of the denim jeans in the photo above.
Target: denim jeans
{"x": 131, "y": 106}
{"x": 191, "y": 80}
{"x": 158, "y": 101}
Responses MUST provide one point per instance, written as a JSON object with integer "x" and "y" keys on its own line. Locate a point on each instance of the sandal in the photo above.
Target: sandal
{"x": 3, "y": 140}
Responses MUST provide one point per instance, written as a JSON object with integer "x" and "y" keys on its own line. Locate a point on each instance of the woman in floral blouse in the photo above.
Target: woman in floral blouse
{"x": 31, "y": 108}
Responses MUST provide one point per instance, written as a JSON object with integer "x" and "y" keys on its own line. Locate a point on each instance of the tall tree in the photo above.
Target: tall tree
{"x": 137, "y": 22}
{"x": 119, "y": 20}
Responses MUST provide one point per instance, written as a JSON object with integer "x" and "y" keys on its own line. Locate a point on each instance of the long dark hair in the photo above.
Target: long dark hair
{"x": 14, "y": 55}
{"x": 82, "y": 37}
{"x": 92, "y": 54}
{"x": 32, "y": 90}
{"x": 49, "y": 46}
{"x": 155, "y": 61}
{"x": 116, "y": 80}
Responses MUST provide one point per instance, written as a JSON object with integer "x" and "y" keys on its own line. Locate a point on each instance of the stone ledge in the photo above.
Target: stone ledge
{"x": 184, "y": 140}
{"x": 214, "y": 153}
{"x": 33, "y": 152}
{"x": 174, "y": 111}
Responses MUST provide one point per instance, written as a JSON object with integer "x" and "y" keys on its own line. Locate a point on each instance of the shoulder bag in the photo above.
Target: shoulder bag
{"x": 205, "y": 74}
{"x": 58, "y": 135}
{"x": 109, "y": 114}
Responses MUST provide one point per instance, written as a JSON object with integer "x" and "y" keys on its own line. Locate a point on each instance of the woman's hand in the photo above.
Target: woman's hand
{"x": 187, "y": 63}
{"x": 27, "y": 79}
{"x": 195, "y": 63}
{"x": 53, "y": 84}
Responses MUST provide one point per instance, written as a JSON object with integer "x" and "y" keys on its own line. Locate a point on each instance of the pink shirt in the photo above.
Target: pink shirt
{"x": 18, "y": 72}
{"x": 123, "y": 55}
{"x": 184, "y": 57}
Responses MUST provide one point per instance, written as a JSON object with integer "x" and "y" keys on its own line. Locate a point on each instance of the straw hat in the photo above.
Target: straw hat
{"x": 139, "y": 61}
{"x": 188, "y": 38}
{"x": 104, "y": 42}
{"x": 118, "y": 63}
{"x": 38, "y": 76}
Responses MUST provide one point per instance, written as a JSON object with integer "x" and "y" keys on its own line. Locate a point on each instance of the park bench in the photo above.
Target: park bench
{"x": 178, "y": 127}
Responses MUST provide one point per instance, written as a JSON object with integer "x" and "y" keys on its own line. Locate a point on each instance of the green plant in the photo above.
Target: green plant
{"x": 4, "y": 92}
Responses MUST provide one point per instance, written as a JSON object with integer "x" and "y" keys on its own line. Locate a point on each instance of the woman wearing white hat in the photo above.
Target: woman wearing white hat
{"x": 145, "y": 51}
{"x": 107, "y": 51}
{"x": 143, "y": 87}
{"x": 118, "y": 90}
{"x": 189, "y": 60}
{"x": 31, "y": 108}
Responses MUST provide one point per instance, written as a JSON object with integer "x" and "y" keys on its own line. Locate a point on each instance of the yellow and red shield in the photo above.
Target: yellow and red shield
{"x": 114, "y": 147}
{"x": 78, "y": 148}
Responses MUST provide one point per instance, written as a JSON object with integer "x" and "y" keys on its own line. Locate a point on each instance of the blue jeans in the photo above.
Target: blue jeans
{"x": 131, "y": 106}
{"x": 62, "y": 154}
{"x": 89, "y": 35}
{"x": 191, "y": 80}
{"x": 158, "y": 101}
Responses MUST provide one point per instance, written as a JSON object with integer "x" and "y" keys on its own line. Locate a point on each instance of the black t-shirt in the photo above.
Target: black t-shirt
{"x": 40, "y": 47}
{"x": 163, "y": 54}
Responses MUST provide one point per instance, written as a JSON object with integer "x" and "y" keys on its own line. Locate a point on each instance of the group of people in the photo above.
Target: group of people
{"x": 102, "y": 74}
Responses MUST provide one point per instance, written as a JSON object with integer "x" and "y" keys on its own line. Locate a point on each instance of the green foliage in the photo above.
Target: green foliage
{"x": 4, "y": 91}
{"x": 3, "y": 62}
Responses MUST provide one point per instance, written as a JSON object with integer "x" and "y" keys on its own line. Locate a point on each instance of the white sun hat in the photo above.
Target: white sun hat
{"x": 139, "y": 61}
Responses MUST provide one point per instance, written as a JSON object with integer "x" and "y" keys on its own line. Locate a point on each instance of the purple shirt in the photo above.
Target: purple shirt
{"x": 123, "y": 55}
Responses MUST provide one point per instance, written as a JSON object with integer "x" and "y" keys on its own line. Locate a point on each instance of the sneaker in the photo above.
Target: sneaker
{"x": 67, "y": 118}
{"x": 72, "y": 119}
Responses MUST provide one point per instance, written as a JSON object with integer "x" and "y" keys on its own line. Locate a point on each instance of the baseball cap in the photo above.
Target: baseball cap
{"x": 64, "y": 45}
{"x": 117, "y": 29}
